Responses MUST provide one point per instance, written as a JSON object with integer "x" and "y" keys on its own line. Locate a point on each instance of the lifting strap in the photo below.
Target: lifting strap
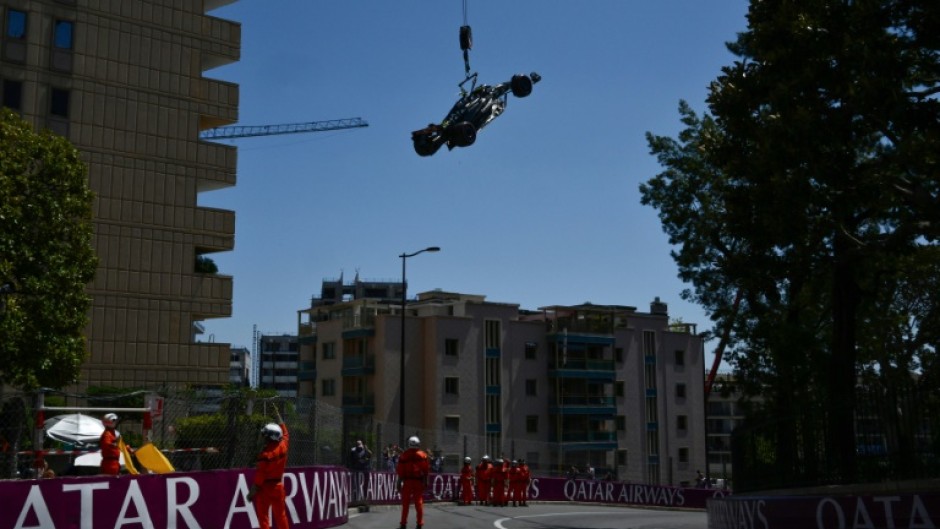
{"x": 466, "y": 40}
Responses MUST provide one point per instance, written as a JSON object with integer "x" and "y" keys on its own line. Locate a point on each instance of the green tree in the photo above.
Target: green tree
{"x": 813, "y": 179}
{"x": 46, "y": 256}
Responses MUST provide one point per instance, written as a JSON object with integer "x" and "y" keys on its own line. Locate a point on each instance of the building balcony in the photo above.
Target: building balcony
{"x": 213, "y": 229}
{"x": 358, "y": 365}
{"x": 307, "y": 329}
{"x": 588, "y": 325}
{"x": 209, "y": 290}
{"x": 356, "y": 325}
{"x": 359, "y": 404}
{"x": 598, "y": 369}
{"x": 584, "y": 436}
{"x": 584, "y": 405}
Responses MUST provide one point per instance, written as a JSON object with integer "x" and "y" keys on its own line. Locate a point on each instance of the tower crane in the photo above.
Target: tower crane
{"x": 245, "y": 131}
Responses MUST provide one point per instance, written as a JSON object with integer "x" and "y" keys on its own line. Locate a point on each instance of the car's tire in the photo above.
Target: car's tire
{"x": 426, "y": 145}
{"x": 521, "y": 85}
{"x": 463, "y": 134}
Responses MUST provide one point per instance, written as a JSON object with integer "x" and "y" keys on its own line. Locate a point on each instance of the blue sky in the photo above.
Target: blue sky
{"x": 544, "y": 209}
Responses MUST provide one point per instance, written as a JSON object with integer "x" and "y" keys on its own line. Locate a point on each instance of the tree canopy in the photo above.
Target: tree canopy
{"x": 46, "y": 256}
{"x": 811, "y": 189}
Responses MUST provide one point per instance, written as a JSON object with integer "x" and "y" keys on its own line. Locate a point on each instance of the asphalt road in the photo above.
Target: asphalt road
{"x": 536, "y": 516}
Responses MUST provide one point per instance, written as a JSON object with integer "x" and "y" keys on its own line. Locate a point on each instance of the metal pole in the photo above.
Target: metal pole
{"x": 401, "y": 374}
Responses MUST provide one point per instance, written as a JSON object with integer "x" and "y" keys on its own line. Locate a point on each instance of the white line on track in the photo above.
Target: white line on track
{"x": 499, "y": 523}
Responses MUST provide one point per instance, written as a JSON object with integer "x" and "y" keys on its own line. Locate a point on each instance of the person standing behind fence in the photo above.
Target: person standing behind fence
{"x": 466, "y": 482}
{"x": 360, "y": 457}
{"x": 413, "y": 469}
{"x": 360, "y": 461}
{"x": 267, "y": 490}
{"x": 110, "y": 449}
{"x": 483, "y": 480}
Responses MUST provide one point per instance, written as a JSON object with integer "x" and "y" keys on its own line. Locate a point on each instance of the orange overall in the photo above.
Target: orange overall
{"x": 515, "y": 484}
{"x": 498, "y": 477}
{"x": 483, "y": 482}
{"x": 413, "y": 468}
{"x": 110, "y": 453}
{"x": 466, "y": 484}
{"x": 269, "y": 474}
{"x": 526, "y": 480}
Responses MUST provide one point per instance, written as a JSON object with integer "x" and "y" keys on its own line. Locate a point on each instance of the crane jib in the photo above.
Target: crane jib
{"x": 245, "y": 131}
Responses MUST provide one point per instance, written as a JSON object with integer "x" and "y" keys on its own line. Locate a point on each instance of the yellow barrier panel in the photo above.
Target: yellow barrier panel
{"x": 153, "y": 459}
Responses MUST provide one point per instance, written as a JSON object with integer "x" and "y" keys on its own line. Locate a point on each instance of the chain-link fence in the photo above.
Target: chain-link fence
{"x": 215, "y": 429}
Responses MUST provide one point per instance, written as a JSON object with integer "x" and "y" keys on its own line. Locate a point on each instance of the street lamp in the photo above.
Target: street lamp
{"x": 401, "y": 374}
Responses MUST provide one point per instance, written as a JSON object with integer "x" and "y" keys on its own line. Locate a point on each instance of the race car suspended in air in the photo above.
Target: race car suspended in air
{"x": 476, "y": 107}
{"x": 474, "y": 110}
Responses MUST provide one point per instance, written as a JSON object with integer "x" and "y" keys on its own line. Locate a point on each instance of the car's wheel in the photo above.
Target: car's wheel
{"x": 463, "y": 134}
{"x": 425, "y": 144}
{"x": 521, "y": 85}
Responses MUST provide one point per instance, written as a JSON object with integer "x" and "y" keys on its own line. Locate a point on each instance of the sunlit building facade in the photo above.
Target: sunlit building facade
{"x": 124, "y": 82}
{"x": 600, "y": 386}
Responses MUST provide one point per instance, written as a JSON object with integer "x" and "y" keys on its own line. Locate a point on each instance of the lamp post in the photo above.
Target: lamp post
{"x": 401, "y": 374}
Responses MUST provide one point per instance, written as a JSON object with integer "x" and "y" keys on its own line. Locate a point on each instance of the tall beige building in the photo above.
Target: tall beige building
{"x": 603, "y": 386}
{"x": 124, "y": 81}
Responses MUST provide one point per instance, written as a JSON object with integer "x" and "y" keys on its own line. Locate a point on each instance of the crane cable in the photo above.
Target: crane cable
{"x": 466, "y": 40}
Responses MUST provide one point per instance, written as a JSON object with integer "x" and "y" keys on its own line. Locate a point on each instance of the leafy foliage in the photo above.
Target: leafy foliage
{"x": 46, "y": 256}
{"x": 811, "y": 188}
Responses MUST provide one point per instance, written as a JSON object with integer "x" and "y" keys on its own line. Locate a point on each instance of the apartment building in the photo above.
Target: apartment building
{"x": 239, "y": 373}
{"x": 124, "y": 82}
{"x": 605, "y": 386}
{"x": 278, "y": 363}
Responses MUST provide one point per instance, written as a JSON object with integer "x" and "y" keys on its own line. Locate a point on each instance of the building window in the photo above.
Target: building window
{"x": 12, "y": 94}
{"x": 59, "y": 103}
{"x": 451, "y": 346}
{"x": 531, "y": 387}
{"x": 531, "y": 424}
{"x": 618, "y": 388}
{"x": 329, "y": 387}
{"x": 680, "y": 391}
{"x": 680, "y": 358}
{"x": 682, "y": 422}
{"x": 329, "y": 351}
{"x": 618, "y": 354}
{"x": 492, "y": 371}
{"x": 16, "y": 24}
{"x": 530, "y": 350}
{"x": 452, "y": 423}
{"x": 451, "y": 386}
{"x": 683, "y": 455}
{"x": 620, "y": 423}
{"x": 62, "y": 34}
{"x": 492, "y": 335}
{"x": 649, "y": 343}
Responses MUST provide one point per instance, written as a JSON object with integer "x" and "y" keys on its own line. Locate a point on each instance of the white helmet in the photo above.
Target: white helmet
{"x": 486, "y": 457}
{"x": 414, "y": 442}
{"x": 466, "y": 460}
{"x": 110, "y": 419}
{"x": 271, "y": 432}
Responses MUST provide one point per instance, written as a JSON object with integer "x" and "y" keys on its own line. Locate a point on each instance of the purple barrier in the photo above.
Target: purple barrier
{"x": 829, "y": 512}
{"x": 317, "y": 498}
{"x": 380, "y": 489}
